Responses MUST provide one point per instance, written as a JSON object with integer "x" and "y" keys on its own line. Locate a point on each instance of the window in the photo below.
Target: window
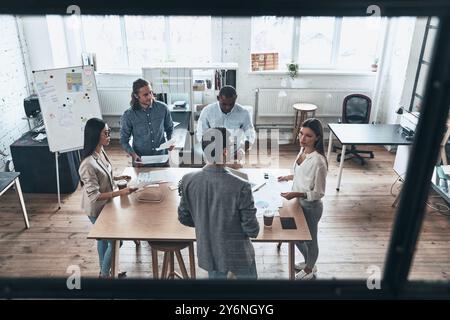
{"x": 190, "y": 39}
{"x": 137, "y": 41}
{"x": 103, "y": 35}
{"x": 272, "y": 34}
{"x": 145, "y": 40}
{"x": 359, "y": 41}
{"x": 318, "y": 42}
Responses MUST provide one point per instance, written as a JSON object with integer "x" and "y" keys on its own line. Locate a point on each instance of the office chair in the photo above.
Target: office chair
{"x": 355, "y": 109}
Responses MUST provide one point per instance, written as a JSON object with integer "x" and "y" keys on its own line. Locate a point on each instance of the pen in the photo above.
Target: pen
{"x": 259, "y": 187}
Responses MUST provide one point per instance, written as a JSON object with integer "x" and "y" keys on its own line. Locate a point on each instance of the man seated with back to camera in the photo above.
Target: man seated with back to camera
{"x": 220, "y": 206}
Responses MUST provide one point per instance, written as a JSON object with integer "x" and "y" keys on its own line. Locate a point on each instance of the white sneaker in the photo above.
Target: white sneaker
{"x": 302, "y": 275}
{"x": 301, "y": 265}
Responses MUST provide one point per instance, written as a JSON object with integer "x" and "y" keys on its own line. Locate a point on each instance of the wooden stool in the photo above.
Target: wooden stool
{"x": 172, "y": 249}
{"x": 304, "y": 109}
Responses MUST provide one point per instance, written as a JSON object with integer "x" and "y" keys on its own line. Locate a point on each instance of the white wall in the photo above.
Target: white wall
{"x": 13, "y": 85}
{"x": 37, "y": 37}
{"x": 399, "y": 48}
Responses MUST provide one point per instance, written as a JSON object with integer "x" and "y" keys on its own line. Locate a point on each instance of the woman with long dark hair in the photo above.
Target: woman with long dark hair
{"x": 310, "y": 172}
{"x": 98, "y": 182}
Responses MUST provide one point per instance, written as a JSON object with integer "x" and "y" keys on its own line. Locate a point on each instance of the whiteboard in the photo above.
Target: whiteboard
{"x": 68, "y": 98}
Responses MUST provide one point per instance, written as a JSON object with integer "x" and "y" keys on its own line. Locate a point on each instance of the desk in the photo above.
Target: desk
{"x": 37, "y": 166}
{"x": 7, "y": 180}
{"x": 366, "y": 134}
{"x": 125, "y": 218}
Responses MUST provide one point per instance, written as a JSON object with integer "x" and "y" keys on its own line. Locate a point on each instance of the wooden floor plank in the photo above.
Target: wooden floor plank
{"x": 354, "y": 232}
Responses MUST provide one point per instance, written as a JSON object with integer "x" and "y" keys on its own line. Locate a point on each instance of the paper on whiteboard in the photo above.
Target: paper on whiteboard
{"x": 74, "y": 82}
{"x": 166, "y": 145}
{"x": 48, "y": 94}
{"x": 65, "y": 116}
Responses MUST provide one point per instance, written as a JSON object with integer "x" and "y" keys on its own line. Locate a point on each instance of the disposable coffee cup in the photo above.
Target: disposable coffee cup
{"x": 268, "y": 218}
{"x": 122, "y": 184}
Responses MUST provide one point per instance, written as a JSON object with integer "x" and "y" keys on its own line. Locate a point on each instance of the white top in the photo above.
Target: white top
{"x": 238, "y": 121}
{"x": 310, "y": 176}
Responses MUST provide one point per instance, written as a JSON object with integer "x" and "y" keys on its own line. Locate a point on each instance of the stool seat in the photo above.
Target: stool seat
{"x": 309, "y": 107}
{"x": 166, "y": 246}
{"x": 303, "y": 108}
{"x": 172, "y": 249}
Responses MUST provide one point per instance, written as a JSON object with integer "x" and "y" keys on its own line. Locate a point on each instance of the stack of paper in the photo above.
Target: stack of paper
{"x": 446, "y": 169}
{"x": 154, "y": 159}
{"x": 166, "y": 145}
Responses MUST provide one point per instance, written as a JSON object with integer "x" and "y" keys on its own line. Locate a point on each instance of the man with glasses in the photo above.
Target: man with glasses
{"x": 146, "y": 120}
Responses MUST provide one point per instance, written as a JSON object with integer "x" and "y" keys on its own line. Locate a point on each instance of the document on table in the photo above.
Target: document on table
{"x": 163, "y": 158}
{"x": 152, "y": 177}
{"x": 166, "y": 145}
{"x": 268, "y": 196}
{"x": 284, "y": 186}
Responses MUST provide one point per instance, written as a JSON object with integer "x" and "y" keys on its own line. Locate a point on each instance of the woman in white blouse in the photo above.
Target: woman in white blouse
{"x": 98, "y": 182}
{"x": 310, "y": 171}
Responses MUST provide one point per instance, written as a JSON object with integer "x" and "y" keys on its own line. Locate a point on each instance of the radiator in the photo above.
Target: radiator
{"x": 114, "y": 101}
{"x": 277, "y": 102}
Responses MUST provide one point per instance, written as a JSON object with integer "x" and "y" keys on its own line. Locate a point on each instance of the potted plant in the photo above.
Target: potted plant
{"x": 292, "y": 69}
{"x": 375, "y": 65}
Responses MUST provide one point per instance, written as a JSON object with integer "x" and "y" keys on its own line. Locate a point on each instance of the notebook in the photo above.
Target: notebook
{"x": 150, "y": 195}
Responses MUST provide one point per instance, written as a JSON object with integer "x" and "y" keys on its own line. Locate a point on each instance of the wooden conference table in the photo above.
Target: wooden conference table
{"x": 126, "y": 218}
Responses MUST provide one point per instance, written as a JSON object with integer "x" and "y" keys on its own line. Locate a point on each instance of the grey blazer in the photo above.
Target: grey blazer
{"x": 221, "y": 208}
{"x": 96, "y": 179}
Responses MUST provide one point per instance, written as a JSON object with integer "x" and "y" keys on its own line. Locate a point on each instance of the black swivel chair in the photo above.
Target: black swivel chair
{"x": 355, "y": 109}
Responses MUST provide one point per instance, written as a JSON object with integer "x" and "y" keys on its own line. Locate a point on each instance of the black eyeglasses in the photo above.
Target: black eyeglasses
{"x": 107, "y": 133}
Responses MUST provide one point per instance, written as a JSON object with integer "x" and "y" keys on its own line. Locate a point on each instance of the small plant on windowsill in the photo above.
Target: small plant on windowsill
{"x": 292, "y": 69}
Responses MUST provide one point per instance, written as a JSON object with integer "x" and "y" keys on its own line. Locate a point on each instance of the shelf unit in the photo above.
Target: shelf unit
{"x": 175, "y": 82}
